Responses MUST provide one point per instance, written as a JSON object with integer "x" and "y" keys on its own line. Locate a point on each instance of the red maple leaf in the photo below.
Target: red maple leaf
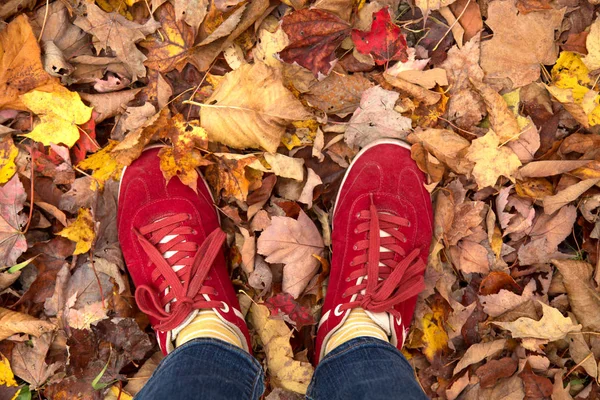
{"x": 284, "y": 303}
{"x": 314, "y": 35}
{"x": 384, "y": 41}
{"x": 87, "y": 140}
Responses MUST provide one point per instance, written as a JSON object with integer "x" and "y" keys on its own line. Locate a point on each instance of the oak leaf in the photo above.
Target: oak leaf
{"x": 552, "y": 326}
{"x": 60, "y": 112}
{"x": 492, "y": 160}
{"x": 21, "y": 68}
{"x": 521, "y": 43}
{"x": 250, "y": 108}
{"x": 283, "y": 370}
{"x": 116, "y": 32}
{"x": 384, "y": 42}
{"x": 169, "y": 50}
{"x": 12, "y": 240}
{"x": 294, "y": 243}
{"x": 81, "y": 231}
{"x": 314, "y": 36}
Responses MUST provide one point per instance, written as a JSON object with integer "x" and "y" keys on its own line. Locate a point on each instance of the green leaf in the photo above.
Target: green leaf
{"x": 95, "y": 384}
{"x": 20, "y": 265}
{"x": 24, "y": 393}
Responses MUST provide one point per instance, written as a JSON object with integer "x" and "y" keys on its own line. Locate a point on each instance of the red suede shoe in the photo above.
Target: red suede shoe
{"x": 382, "y": 227}
{"x": 172, "y": 245}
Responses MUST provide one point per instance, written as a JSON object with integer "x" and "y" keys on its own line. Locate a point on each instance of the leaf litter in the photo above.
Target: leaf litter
{"x": 270, "y": 102}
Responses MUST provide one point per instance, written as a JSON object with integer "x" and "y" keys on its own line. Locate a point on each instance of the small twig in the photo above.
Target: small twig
{"x": 97, "y": 278}
{"x": 452, "y": 26}
{"x": 32, "y": 191}
{"x": 579, "y": 364}
{"x": 198, "y": 87}
{"x": 45, "y": 19}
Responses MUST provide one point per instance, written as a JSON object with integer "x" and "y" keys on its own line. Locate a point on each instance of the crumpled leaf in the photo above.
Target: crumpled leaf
{"x": 117, "y": 32}
{"x": 384, "y": 42}
{"x": 12, "y": 322}
{"x": 229, "y": 175}
{"x": 283, "y": 370}
{"x": 294, "y": 243}
{"x": 284, "y": 303}
{"x": 21, "y": 68}
{"x": 583, "y": 297}
{"x": 8, "y": 153}
{"x": 169, "y": 50}
{"x": 81, "y": 231}
{"x": 552, "y": 326}
{"x": 314, "y": 35}
{"x": 12, "y": 240}
{"x": 492, "y": 160}
{"x": 503, "y": 120}
{"x": 338, "y": 94}
{"x": 447, "y": 146}
{"x": 29, "y": 361}
{"x": 521, "y": 43}
{"x": 60, "y": 112}
{"x": 250, "y": 108}
{"x": 376, "y": 119}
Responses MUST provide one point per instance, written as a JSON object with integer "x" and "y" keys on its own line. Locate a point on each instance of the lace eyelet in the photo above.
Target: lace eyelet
{"x": 225, "y": 307}
{"x": 337, "y": 312}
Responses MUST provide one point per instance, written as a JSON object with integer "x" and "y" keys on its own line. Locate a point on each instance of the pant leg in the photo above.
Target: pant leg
{"x": 364, "y": 368}
{"x": 205, "y": 369}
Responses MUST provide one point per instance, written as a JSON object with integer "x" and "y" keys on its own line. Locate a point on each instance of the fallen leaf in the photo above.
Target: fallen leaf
{"x": 293, "y": 243}
{"x": 582, "y": 355}
{"x": 81, "y": 231}
{"x": 88, "y": 315}
{"x": 427, "y": 6}
{"x": 103, "y": 165}
{"x": 8, "y": 154}
{"x": 314, "y": 36}
{"x": 190, "y": 11}
{"x": 169, "y": 50}
{"x": 338, "y": 94}
{"x": 446, "y": 146}
{"x": 143, "y": 374}
{"x": 12, "y": 240}
{"x": 494, "y": 370}
{"x": 21, "y": 68}
{"x": 552, "y": 326}
{"x": 565, "y": 196}
{"x": 228, "y": 176}
{"x": 435, "y": 338}
{"x": 521, "y": 43}
{"x": 312, "y": 180}
{"x": 538, "y": 169}
{"x": 60, "y": 112}
{"x": 284, "y": 303}
{"x": 583, "y": 297}
{"x": 491, "y": 160}
{"x": 527, "y": 6}
{"x": 121, "y": 35}
{"x": 12, "y": 322}
{"x": 418, "y": 93}
{"x": 503, "y": 120}
{"x": 592, "y": 59}
{"x": 471, "y": 257}
{"x": 282, "y": 369}
{"x": 108, "y": 105}
{"x": 376, "y": 119}
{"x": 29, "y": 361}
{"x": 250, "y": 108}
{"x": 536, "y": 386}
{"x": 384, "y": 42}
{"x": 479, "y": 352}
{"x": 507, "y": 389}
{"x": 226, "y": 27}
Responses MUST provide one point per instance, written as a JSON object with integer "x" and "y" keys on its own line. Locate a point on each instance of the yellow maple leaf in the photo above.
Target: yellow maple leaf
{"x": 435, "y": 338}
{"x": 81, "y": 231}
{"x": 184, "y": 167}
{"x": 491, "y": 160}
{"x": 103, "y": 165}
{"x": 60, "y": 112}
{"x": 8, "y": 154}
{"x": 7, "y": 378}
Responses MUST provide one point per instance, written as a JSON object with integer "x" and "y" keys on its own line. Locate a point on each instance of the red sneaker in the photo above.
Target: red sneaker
{"x": 382, "y": 227}
{"x": 172, "y": 245}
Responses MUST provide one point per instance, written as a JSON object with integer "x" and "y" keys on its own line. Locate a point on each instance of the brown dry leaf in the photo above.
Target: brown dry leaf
{"x": 521, "y": 43}
{"x": 552, "y": 326}
{"x": 338, "y": 94}
{"x": 506, "y": 389}
{"x": 283, "y": 370}
{"x": 294, "y": 243}
{"x": 503, "y": 120}
{"x": 12, "y": 240}
{"x": 565, "y": 196}
{"x": 580, "y": 351}
{"x": 226, "y": 27}
{"x": 190, "y": 11}
{"x": 446, "y": 146}
{"x": 21, "y": 68}
{"x": 169, "y": 50}
{"x": 592, "y": 59}
{"x": 465, "y": 106}
{"x": 250, "y": 108}
{"x": 12, "y": 322}
{"x": 536, "y": 386}
{"x": 492, "y": 160}
{"x": 583, "y": 297}
{"x": 134, "y": 143}
{"x": 538, "y": 169}
{"x": 471, "y": 257}
{"x": 140, "y": 378}
{"x": 229, "y": 176}
{"x": 117, "y": 32}
{"x": 28, "y": 362}
{"x": 494, "y": 370}
{"x": 478, "y": 352}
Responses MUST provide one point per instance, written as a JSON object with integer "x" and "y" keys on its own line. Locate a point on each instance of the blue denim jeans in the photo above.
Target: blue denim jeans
{"x": 363, "y": 368}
